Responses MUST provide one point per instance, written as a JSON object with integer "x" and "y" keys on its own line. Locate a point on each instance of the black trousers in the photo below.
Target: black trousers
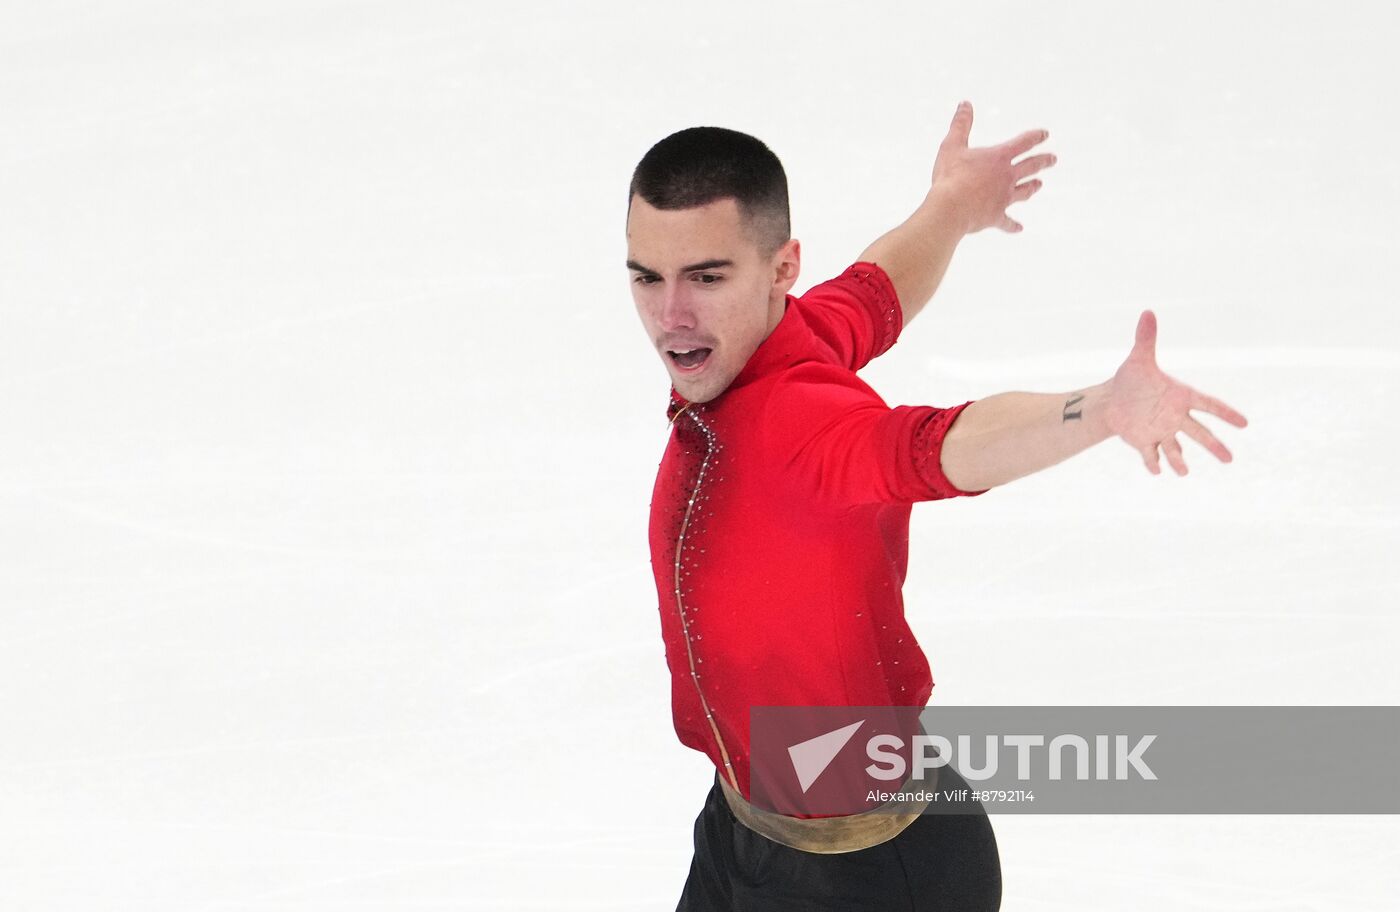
{"x": 942, "y": 861}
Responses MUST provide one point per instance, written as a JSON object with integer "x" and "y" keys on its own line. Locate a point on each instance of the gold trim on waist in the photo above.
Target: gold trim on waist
{"x": 834, "y": 835}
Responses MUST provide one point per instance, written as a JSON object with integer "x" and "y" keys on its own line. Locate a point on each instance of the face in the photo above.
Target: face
{"x": 703, "y": 288}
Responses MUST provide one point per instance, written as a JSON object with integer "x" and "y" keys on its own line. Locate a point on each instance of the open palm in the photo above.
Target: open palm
{"x": 1148, "y": 408}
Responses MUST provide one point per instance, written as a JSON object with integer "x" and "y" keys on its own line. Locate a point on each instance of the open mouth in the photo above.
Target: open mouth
{"x": 690, "y": 359}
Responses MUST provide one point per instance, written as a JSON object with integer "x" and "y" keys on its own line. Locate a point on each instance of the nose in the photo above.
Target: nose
{"x": 676, "y": 312}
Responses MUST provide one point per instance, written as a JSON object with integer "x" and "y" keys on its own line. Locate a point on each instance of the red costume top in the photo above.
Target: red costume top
{"x": 780, "y": 526}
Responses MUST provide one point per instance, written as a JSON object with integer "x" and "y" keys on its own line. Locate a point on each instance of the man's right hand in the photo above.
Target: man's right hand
{"x": 981, "y": 182}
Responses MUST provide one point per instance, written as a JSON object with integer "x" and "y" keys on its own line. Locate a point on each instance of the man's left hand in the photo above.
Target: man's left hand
{"x": 1148, "y": 409}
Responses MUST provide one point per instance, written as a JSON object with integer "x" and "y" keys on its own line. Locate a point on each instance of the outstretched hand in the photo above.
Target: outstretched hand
{"x": 984, "y": 180}
{"x": 1148, "y": 409}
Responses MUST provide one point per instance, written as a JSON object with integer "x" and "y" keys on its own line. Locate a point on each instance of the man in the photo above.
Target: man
{"x": 780, "y": 517}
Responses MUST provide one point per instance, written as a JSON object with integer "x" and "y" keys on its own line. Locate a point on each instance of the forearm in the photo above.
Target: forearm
{"x": 1009, "y": 435}
{"x": 915, "y": 254}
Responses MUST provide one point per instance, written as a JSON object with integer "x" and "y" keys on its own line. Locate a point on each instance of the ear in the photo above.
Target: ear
{"x": 787, "y": 264}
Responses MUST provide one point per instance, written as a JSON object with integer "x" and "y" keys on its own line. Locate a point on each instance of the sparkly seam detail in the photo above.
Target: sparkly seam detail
{"x": 710, "y": 448}
{"x": 888, "y": 315}
{"x": 928, "y": 449}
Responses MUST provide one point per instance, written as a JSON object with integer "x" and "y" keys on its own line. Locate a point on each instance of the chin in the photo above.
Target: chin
{"x": 697, "y": 391}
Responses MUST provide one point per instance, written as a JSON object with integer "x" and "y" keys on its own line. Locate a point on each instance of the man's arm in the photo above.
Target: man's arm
{"x": 915, "y": 254}
{"x": 1007, "y": 436}
{"x": 1010, "y": 435}
{"x": 971, "y": 190}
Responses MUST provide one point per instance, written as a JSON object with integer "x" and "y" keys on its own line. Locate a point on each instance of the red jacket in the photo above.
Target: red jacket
{"x": 780, "y": 526}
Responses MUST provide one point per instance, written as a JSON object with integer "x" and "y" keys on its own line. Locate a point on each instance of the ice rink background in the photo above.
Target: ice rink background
{"x": 327, "y": 428}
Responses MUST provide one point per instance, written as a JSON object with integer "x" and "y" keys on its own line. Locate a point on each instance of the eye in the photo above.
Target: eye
{"x": 644, "y": 279}
{"x": 709, "y": 275}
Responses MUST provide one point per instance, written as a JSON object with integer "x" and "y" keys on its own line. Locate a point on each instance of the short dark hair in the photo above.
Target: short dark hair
{"x": 699, "y": 165}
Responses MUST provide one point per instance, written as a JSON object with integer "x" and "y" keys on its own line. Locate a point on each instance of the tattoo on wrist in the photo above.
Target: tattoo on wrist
{"x": 1073, "y": 401}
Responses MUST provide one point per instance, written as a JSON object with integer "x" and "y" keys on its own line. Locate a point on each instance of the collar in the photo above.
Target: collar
{"x": 781, "y": 348}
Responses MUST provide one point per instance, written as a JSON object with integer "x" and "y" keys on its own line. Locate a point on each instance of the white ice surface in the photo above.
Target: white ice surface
{"x": 327, "y": 429}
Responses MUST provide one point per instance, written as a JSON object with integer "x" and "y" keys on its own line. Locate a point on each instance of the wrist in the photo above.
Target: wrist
{"x": 1099, "y": 410}
{"x": 944, "y": 205}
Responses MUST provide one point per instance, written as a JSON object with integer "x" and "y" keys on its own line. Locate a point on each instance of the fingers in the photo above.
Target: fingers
{"x": 1023, "y": 143}
{"x": 1149, "y": 459}
{"x": 1146, "y": 335}
{"x": 1028, "y": 166}
{"x": 1198, "y": 432}
{"x": 1024, "y": 191}
{"x": 961, "y": 127}
{"x": 1172, "y": 448}
{"x": 1145, "y": 340}
{"x": 1217, "y": 408}
{"x": 1009, "y": 224}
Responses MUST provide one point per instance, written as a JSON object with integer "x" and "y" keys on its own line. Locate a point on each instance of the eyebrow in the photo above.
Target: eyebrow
{"x": 693, "y": 267}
